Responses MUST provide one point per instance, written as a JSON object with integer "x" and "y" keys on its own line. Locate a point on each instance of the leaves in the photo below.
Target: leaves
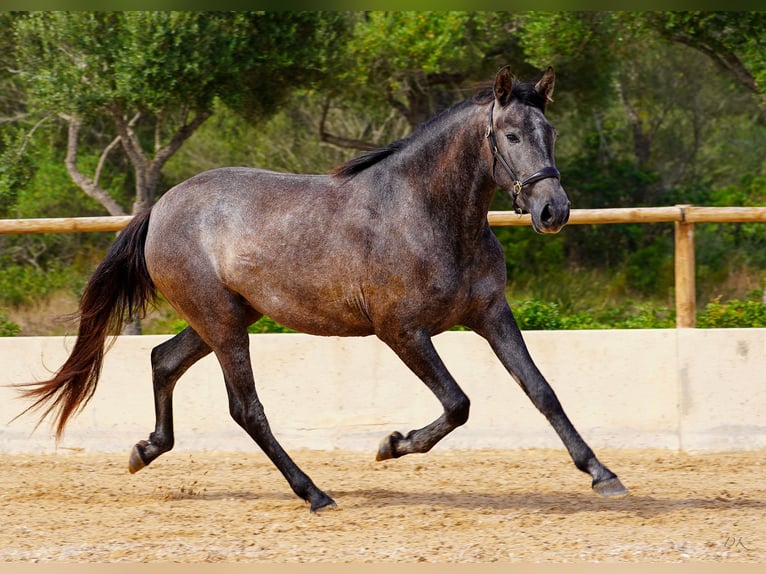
{"x": 415, "y": 61}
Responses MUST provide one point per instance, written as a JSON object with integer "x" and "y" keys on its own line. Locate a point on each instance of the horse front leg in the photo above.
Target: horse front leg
{"x": 417, "y": 352}
{"x": 170, "y": 360}
{"x": 504, "y": 336}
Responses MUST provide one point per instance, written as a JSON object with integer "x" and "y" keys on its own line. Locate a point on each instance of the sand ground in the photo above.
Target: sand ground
{"x": 445, "y": 506}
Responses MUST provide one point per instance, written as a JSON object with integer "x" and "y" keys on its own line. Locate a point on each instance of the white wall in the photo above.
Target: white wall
{"x": 688, "y": 389}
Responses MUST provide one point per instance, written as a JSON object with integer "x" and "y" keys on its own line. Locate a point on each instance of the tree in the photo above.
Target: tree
{"x": 416, "y": 63}
{"x": 631, "y": 83}
{"x": 154, "y": 77}
{"x": 14, "y": 166}
{"x": 734, "y": 41}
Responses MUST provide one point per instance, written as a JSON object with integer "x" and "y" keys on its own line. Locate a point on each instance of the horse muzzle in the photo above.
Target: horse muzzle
{"x": 551, "y": 218}
{"x": 549, "y": 211}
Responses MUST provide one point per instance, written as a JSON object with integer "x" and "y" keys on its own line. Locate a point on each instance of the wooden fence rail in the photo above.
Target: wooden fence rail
{"x": 682, "y": 216}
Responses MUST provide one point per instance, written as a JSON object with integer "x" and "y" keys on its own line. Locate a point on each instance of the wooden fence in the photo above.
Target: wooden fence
{"x": 682, "y": 216}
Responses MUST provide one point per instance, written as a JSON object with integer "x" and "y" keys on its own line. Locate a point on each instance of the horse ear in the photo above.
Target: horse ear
{"x": 545, "y": 86}
{"x": 503, "y": 86}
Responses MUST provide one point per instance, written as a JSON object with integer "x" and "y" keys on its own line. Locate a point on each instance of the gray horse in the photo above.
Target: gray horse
{"x": 394, "y": 243}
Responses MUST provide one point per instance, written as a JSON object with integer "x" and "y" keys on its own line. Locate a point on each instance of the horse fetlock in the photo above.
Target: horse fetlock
{"x": 160, "y": 442}
{"x": 387, "y": 447}
{"x": 458, "y": 414}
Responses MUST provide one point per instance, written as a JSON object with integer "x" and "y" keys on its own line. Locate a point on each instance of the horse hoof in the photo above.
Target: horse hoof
{"x": 610, "y": 488}
{"x": 386, "y": 448}
{"x": 136, "y": 461}
{"x": 322, "y": 504}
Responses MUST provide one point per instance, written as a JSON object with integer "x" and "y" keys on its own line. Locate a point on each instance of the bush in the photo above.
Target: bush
{"x": 535, "y": 315}
{"x": 7, "y": 327}
{"x": 532, "y": 314}
{"x": 733, "y": 314}
{"x": 23, "y": 284}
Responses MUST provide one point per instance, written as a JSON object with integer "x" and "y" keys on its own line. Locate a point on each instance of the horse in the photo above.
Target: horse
{"x": 394, "y": 243}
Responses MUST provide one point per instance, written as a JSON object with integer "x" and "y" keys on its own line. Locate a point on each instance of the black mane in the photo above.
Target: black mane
{"x": 522, "y": 91}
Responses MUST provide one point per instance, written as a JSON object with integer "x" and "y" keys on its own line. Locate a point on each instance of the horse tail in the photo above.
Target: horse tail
{"x": 119, "y": 290}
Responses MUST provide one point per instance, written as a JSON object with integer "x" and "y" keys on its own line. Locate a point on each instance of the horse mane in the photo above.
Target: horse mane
{"x": 362, "y": 162}
{"x": 524, "y": 92}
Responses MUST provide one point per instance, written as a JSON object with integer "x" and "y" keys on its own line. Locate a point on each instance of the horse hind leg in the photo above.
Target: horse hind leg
{"x": 170, "y": 360}
{"x": 247, "y": 410}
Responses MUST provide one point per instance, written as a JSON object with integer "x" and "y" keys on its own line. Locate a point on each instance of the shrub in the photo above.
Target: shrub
{"x": 533, "y": 314}
{"x": 733, "y": 314}
{"x": 7, "y": 327}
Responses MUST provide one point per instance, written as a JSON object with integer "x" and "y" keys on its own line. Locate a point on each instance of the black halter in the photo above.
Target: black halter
{"x": 518, "y": 185}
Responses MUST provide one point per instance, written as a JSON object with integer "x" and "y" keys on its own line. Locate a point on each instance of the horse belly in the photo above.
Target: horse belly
{"x": 310, "y": 298}
{"x": 331, "y": 319}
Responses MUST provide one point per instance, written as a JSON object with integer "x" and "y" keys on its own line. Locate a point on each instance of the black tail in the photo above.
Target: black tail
{"x": 119, "y": 289}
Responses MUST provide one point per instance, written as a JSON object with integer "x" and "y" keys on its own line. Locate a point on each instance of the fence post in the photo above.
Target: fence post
{"x": 684, "y": 271}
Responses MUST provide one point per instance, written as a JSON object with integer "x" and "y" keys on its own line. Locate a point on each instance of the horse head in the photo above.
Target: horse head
{"x": 522, "y": 140}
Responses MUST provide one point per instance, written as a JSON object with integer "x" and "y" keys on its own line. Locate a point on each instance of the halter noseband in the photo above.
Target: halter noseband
{"x": 518, "y": 185}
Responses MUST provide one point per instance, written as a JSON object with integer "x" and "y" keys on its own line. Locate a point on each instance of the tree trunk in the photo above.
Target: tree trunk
{"x": 89, "y": 186}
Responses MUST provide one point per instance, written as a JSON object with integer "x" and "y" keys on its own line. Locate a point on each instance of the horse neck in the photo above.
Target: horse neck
{"x": 449, "y": 169}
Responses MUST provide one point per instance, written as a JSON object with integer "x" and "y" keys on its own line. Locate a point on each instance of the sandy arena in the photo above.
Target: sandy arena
{"x": 445, "y": 506}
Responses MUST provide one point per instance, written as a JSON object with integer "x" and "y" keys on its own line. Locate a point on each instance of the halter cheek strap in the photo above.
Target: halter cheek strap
{"x": 518, "y": 185}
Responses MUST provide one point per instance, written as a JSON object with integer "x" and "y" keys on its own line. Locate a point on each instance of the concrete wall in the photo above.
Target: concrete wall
{"x": 687, "y": 389}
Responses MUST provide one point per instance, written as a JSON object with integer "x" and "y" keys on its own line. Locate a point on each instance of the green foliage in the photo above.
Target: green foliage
{"x": 15, "y": 170}
{"x": 583, "y": 47}
{"x": 7, "y": 327}
{"x": 23, "y": 284}
{"x": 533, "y": 314}
{"x": 155, "y": 76}
{"x": 432, "y": 42}
{"x": 161, "y": 60}
{"x": 33, "y": 265}
{"x": 723, "y": 249}
{"x": 414, "y": 61}
{"x": 284, "y": 142}
{"x": 734, "y": 40}
{"x": 50, "y": 192}
{"x": 650, "y": 269}
{"x": 750, "y": 312}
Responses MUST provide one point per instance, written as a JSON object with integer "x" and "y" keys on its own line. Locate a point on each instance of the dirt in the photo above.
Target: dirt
{"x": 446, "y": 506}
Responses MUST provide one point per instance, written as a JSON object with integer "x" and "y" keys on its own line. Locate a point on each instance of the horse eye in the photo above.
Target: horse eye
{"x": 512, "y": 138}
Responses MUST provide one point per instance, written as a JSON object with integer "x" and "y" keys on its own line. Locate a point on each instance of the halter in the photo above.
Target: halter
{"x": 518, "y": 185}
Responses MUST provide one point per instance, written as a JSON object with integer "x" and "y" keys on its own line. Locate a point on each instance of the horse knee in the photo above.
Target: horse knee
{"x": 545, "y": 399}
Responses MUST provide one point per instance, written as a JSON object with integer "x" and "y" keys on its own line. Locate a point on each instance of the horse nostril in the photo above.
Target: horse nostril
{"x": 546, "y": 215}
